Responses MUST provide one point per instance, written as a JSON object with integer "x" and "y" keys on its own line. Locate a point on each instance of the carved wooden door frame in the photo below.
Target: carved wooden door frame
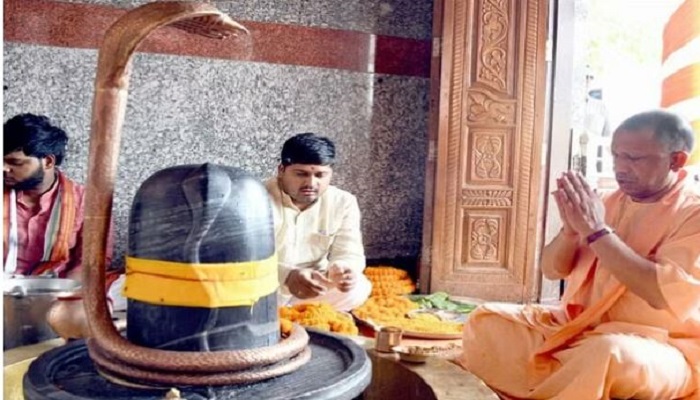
{"x": 481, "y": 227}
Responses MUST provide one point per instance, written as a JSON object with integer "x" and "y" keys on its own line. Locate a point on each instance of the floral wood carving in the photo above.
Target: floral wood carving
{"x": 494, "y": 46}
{"x": 484, "y": 239}
{"x": 485, "y": 108}
{"x": 488, "y": 157}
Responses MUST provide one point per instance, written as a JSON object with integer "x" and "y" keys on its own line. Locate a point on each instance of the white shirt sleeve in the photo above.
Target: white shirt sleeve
{"x": 347, "y": 245}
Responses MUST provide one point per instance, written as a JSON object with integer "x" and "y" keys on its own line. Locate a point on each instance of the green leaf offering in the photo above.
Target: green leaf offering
{"x": 441, "y": 301}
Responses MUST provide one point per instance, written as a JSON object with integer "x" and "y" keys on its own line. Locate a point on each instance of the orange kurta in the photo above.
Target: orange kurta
{"x": 604, "y": 341}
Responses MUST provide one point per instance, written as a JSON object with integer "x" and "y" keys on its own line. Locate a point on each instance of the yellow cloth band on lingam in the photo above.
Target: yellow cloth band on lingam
{"x": 200, "y": 285}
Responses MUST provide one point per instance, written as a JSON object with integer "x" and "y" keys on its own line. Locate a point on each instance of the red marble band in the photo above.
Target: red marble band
{"x": 76, "y": 25}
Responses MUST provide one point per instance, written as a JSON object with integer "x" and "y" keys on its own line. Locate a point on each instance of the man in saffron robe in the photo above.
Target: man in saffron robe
{"x": 628, "y": 326}
{"x": 42, "y": 208}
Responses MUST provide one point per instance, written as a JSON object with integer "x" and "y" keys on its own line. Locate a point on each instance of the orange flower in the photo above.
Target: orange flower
{"x": 392, "y": 310}
{"x": 320, "y": 316}
{"x": 285, "y": 327}
{"x": 388, "y": 281}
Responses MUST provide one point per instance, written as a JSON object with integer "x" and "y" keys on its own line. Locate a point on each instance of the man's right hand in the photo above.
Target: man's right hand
{"x": 560, "y": 198}
{"x": 307, "y": 283}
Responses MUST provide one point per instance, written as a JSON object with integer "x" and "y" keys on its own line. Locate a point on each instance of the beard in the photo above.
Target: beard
{"x": 30, "y": 182}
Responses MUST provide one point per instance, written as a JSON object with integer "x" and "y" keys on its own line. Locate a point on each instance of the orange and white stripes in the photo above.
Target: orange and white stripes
{"x": 680, "y": 90}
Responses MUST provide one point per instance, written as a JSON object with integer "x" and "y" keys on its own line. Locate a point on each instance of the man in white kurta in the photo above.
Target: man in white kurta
{"x": 317, "y": 228}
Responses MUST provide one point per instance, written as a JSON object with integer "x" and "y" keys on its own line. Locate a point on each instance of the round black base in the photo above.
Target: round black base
{"x": 338, "y": 369}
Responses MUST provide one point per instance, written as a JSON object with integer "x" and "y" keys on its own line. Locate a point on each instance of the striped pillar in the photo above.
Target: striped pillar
{"x": 680, "y": 90}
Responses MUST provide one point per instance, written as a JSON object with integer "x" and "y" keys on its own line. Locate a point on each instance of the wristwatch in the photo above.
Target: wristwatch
{"x": 597, "y": 235}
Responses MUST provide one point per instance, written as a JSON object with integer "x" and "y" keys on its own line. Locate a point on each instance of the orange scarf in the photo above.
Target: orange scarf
{"x": 60, "y": 250}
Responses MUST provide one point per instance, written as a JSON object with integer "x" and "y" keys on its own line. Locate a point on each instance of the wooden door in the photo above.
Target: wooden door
{"x": 487, "y": 150}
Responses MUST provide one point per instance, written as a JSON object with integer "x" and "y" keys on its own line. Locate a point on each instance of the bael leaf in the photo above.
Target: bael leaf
{"x": 441, "y": 301}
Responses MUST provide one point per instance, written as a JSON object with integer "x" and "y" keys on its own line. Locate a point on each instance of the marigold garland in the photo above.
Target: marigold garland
{"x": 392, "y": 310}
{"x": 388, "y": 281}
{"x": 285, "y": 327}
{"x": 388, "y": 305}
{"x": 317, "y": 315}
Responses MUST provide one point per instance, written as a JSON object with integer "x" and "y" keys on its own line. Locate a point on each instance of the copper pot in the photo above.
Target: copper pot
{"x": 387, "y": 338}
{"x": 67, "y": 318}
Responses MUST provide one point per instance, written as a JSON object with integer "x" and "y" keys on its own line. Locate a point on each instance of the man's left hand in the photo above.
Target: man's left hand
{"x": 584, "y": 209}
{"x": 343, "y": 276}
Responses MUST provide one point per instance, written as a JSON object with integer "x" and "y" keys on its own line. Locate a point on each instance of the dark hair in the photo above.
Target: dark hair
{"x": 308, "y": 148}
{"x": 35, "y": 136}
{"x": 668, "y": 128}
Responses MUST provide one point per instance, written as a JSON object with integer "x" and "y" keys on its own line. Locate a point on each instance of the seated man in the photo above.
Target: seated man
{"x": 629, "y": 322}
{"x": 42, "y": 208}
{"x": 317, "y": 228}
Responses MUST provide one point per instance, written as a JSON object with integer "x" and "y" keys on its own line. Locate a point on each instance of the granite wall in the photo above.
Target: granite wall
{"x": 238, "y": 110}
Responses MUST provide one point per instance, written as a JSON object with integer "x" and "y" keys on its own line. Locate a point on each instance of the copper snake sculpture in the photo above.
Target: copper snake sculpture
{"x": 112, "y": 353}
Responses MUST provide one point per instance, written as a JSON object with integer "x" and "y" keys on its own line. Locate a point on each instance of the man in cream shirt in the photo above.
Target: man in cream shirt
{"x": 317, "y": 228}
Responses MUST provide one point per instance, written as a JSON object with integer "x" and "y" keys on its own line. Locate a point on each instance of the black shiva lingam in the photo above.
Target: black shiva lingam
{"x": 202, "y": 318}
